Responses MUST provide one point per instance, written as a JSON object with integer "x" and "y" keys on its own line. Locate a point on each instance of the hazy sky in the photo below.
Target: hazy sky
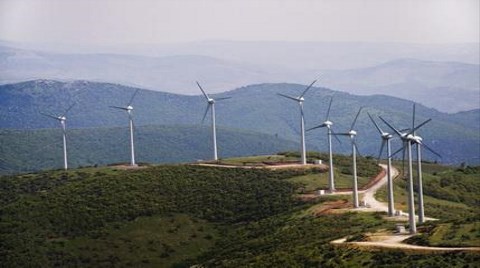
{"x": 129, "y": 21}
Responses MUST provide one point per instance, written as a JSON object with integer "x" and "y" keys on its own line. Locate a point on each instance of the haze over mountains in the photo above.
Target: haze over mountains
{"x": 254, "y": 108}
{"x": 428, "y": 74}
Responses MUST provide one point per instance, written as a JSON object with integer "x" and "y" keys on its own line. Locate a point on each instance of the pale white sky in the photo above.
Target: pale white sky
{"x": 108, "y": 22}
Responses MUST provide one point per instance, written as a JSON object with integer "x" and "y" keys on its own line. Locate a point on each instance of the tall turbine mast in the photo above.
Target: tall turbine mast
{"x": 386, "y": 137}
{"x": 328, "y": 124}
{"x": 62, "y": 119}
{"x": 408, "y": 139}
{"x": 129, "y": 110}
{"x": 211, "y": 105}
{"x": 300, "y": 101}
{"x": 352, "y": 134}
{"x": 419, "y": 142}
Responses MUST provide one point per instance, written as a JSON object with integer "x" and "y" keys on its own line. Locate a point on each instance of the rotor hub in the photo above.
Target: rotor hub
{"x": 211, "y": 101}
{"x": 328, "y": 123}
{"x": 129, "y": 108}
{"x": 352, "y": 133}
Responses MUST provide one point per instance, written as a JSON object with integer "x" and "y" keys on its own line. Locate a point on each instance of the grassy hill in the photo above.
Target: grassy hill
{"x": 255, "y": 108}
{"x": 31, "y": 150}
{"x": 178, "y": 216}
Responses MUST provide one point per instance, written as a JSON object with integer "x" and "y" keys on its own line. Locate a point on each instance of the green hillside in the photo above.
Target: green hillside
{"x": 31, "y": 150}
{"x": 255, "y": 108}
{"x": 180, "y": 215}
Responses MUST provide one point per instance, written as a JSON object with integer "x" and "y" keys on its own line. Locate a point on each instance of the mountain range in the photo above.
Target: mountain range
{"x": 429, "y": 80}
{"x": 255, "y": 108}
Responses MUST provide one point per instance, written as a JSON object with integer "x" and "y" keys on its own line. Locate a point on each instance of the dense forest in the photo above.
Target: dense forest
{"x": 182, "y": 215}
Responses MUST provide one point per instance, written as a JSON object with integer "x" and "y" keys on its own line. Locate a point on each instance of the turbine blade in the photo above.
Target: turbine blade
{"x": 381, "y": 149}
{"x": 288, "y": 97}
{"x": 419, "y": 126}
{"x": 431, "y": 150}
{"x": 68, "y": 109}
{"x": 319, "y": 126}
{"x": 390, "y": 126}
{"x": 224, "y": 98}
{"x": 206, "y": 112}
{"x": 335, "y": 136}
{"x": 341, "y": 134}
{"x": 203, "y": 91}
{"x": 413, "y": 120}
{"x": 133, "y": 96}
{"x": 375, "y": 123}
{"x": 49, "y": 115}
{"x": 118, "y": 107}
{"x": 328, "y": 111}
{"x": 356, "y": 147}
{"x": 356, "y": 117}
{"x": 305, "y": 91}
{"x": 397, "y": 151}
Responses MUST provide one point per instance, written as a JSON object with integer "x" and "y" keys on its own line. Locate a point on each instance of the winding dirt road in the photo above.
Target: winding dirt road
{"x": 390, "y": 240}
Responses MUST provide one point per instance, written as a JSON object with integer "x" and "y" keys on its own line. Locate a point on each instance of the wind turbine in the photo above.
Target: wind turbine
{"x": 300, "y": 101}
{"x": 408, "y": 139}
{"x": 352, "y": 134}
{"x": 62, "y": 119}
{"x": 129, "y": 110}
{"x": 211, "y": 105}
{"x": 419, "y": 142}
{"x": 386, "y": 137}
{"x": 328, "y": 124}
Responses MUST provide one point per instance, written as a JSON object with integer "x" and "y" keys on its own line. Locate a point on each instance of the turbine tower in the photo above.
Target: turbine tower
{"x": 62, "y": 119}
{"x": 328, "y": 124}
{"x": 211, "y": 105}
{"x": 352, "y": 134}
{"x": 129, "y": 110}
{"x": 300, "y": 101}
{"x": 409, "y": 139}
{"x": 386, "y": 137}
{"x": 419, "y": 142}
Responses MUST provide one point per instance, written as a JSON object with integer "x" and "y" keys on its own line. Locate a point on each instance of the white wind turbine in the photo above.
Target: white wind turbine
{"x": 352, "y": 134}
{"x": 300, "y": 101}
{"x": 211, "y": 105}
{"x": 129, "y": 110}
{"x": 419, "y": 142}
{"x": 62, "y": 119}
{"x": 328, "y": 124}
{"x": 408, "y": 139}
{"x": 386, "y": 137}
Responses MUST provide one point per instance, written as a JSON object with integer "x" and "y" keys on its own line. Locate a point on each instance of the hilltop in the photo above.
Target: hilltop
{"x": 255, "y": 108}
{"x": 182, "y": 215}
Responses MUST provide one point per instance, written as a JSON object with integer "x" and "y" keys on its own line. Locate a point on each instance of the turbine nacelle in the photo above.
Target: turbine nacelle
{"x": 62, "y": 118}
{"x": 386, "y": 136}
{"x": 327, "y": 123}
{"x": 352, "y": 133}
{"x": 417, "y": 139}
{"x": 210, "y": 101}
{"x": 129, "y": 108}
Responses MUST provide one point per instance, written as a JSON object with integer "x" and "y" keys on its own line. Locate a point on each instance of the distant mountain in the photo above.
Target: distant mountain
{"x": 447, "y": 86}
{"x": 255, "y": 108}
{"x": 32, "y": 150}
{"x": 430, "y": 83}
{"x": 169, "y": 73}
{"x": 284, "y": 54}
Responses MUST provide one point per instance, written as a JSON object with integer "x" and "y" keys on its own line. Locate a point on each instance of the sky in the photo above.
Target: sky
{"x": 109, "y": 22}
